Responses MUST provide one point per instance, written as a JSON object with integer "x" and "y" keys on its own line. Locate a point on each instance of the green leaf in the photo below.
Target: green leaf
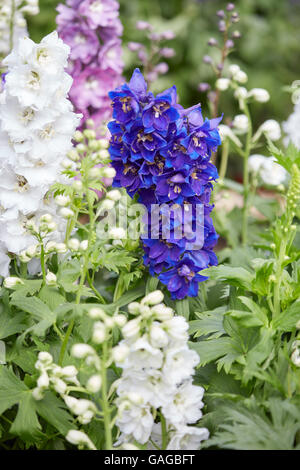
{"x": 209, "y": 323}
{"x": 39, "y": 312}
{"x": 234, "y": 276}
{"x": 53, "y": 410}
{"x": 183, "y": 308}
{"x": 10, "y": 323}
{"x": 287, "y": 320}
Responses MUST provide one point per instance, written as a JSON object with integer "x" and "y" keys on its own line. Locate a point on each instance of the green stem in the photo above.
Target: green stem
{"x": 43, "y": 264}
{"x": 164, "y": 434}
{"x": 246, "y": 178}
{"x": 278, "y": 274}
{"x": 105, "y": 401}
{"x": 224, "y": 160}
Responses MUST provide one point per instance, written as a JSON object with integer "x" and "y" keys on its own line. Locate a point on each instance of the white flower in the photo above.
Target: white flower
{"x": 268, "y": 169}
{"x": 36, "y": 130}
{"x": 135, "y": 422}
{"x": 222, "y": 84}
{"x": 185, "y": 406}
{"x": 255, "y": 162}
{"x": 143, "y": 355}
{"x": 259, "y": 94}
{"x": 187, "y": 438}
{"x": 180, "y": 364}
{"x": 177, "y": 329}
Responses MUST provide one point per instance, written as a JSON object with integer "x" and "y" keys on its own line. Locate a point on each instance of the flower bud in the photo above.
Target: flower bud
{"x": 12, "y": 281}
{"x": 89, "y": 133}
{"x": 120, "y": 320}
{"x": 241, "y": 77}
{"x": 78, "y": 136}
{"x": 94, "y": 383}
{"x": 117, "y": 233}
{"x": 38, "y": 393}
{"x": 99, "y": 333}
{"x": 222, "y": 84}
{"x": 108, "y": 172}
{"x": 61, "y": 247}
{"x": 114, "y": 195}
{"x": 77, "y": 184}
{"x": 59, "y": 385}
{"x": 259, "y": 94}
{"x": 69, "y": 371}
{"x": 134, "y": 308}
{"x": 120, "y": 352}
{"x": 241, "y": 123}
{"x": 74, "y": 244}
{"x": 107, "y": 204}
{"x": 162, "y": 312}
{"x": 96, "y": 313}
{"x": 154, "y": 298}
{"x": 51, "y": 279}
{"x": 81, "y": 350}
{"x": 62, "y": 200}
{"x": 79, "y": 438}
{"x": 84, "y": 245}
{"x": 132, "y": 328}
{"x": 66, "y": 212}
{"x": 43, "y": 380}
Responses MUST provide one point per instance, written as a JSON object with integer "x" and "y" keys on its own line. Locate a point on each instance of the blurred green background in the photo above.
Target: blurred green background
{"x": 269, "y": 50}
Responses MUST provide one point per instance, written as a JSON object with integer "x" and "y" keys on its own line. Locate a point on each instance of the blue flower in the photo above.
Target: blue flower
{"x": 161, "y": 153}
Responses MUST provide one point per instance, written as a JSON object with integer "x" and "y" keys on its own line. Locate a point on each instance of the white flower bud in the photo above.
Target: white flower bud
{"x": 61, "y": 247}
{"x": 94, "y": 383}
{"x": 271, "y": 129}
{"x": 96, "y": 313}
{"x": 78, "y": 136}
{"x": 120, "y": 352}
{"x": 95, "y": 173}
{"x": 154, "y": 298}
{"x": 62, "y": 200}
{"x": 132, "y": 328}
{"x": 46, "y": 218}
{"x": 114, "y": 195}
{"x": 51, "y": 279}
{"x": 103, "y": 155}
{"x": 259, "y": 94}
{"x": 222, "y": 84}
{"x": 107, "y": 204}
{"x": 59, "y": 385}
{"x": 241, "y": 93}
{"x": 43, "y": 381}
{"x": 86, "y": 417}
{"x": 233, "y": 69}
{"x": 38, "y": 393}
{"x": 295, "y": 357}
{"x": 109, "y": 322}
{"x": 117, "y": 233}
{"x": 74, "y": 244}
{"x": 12, "y": 281}
{"x": 84, "y": 245}
{"x": 120, "y": 320}
{"x": 145, "y": 311}
{"x": 66, "y": 212}
{"x": 226, "y": 132}
{"x": 31, "y": 251}
{"x": 23, "y": 257}
{"x": 67, "y": 164}
{"x": 73, "y": 155}
{"x": 134, "y": 308}
{"x": 81, "y": 350}
{"x": 50, "y": 247}
{"x": 89, "y": 133}
{"x": 99, "y": 333}
{"x": 108, "y": 172}
{"x": 241, "y": 77}
{"x": 162, "y": 312}
{"x": 69, "y": 371}
{"x": 45, "y": 357}
{"x": 79, "y": 438}
{"x": 77, "y": 184}
{"x": 241, "y": 123}
{"x": 104, "y": 143}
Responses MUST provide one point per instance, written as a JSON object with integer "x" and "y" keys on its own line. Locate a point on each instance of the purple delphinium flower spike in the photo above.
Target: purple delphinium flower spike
{"x": 161, "y": 152}
{"x": 95, "y": 65}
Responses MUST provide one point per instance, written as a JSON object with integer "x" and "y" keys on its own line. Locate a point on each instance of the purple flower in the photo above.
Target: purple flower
{"x": 161, "y": 153}
{"x": 183, "y": 279}
{"x": 110, "y": 56}
{"x": 83, "y": 41}
{"x": 161, "y": 111}
{"x": 99, "y": 12}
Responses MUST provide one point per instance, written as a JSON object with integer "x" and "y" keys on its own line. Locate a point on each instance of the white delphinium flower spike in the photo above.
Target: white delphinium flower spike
{"x": 157, "y": 368}
{"x": 36, "y": 129}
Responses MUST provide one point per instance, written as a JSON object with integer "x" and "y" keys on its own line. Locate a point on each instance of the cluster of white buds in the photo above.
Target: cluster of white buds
{"x": 12, "y": 22}
{"x": 36, "y": 128}
{"x": 157, "y": 368}
{"x": 295, "y": 357}
{"x": 53, "y": 376}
